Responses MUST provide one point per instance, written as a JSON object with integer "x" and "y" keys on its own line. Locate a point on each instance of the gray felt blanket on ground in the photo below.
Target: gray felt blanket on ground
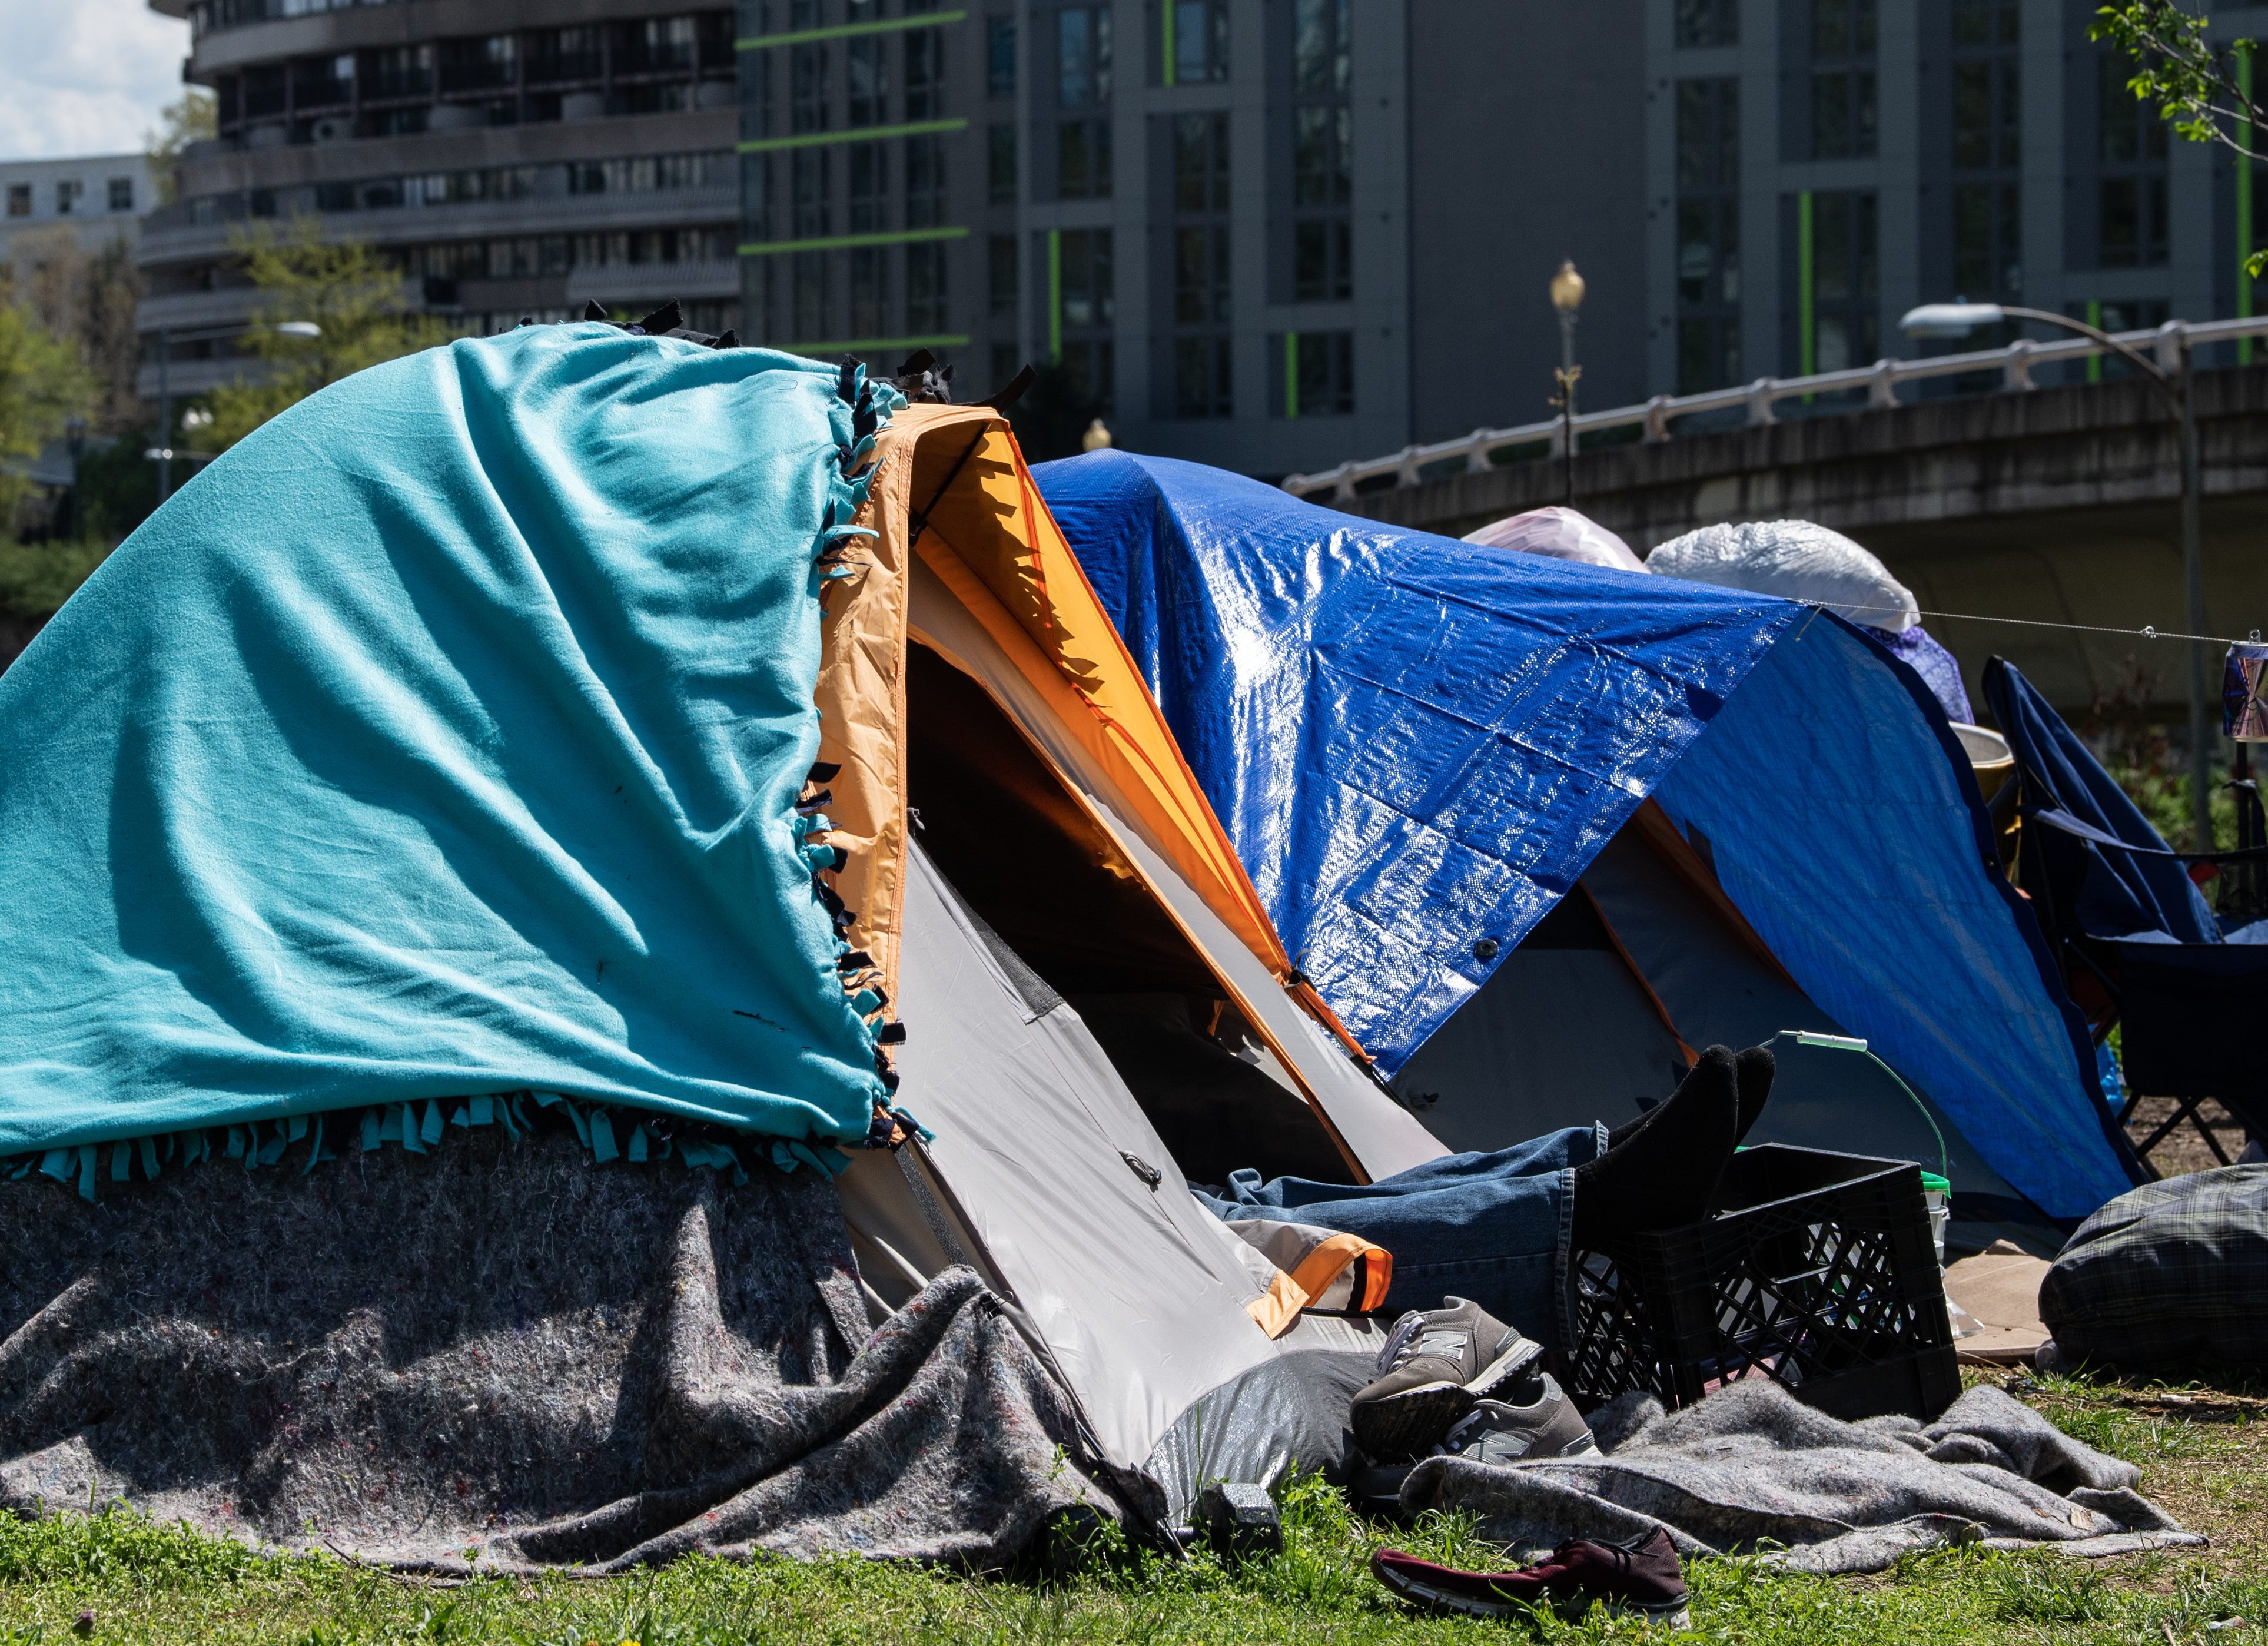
{"x": 1751, "y": 1466}
{"x": 501, "y": 1350}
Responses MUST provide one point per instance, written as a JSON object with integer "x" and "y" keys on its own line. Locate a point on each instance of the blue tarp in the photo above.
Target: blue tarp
{"x": 444, "y": 737}
{"x": 1418, "y": 745}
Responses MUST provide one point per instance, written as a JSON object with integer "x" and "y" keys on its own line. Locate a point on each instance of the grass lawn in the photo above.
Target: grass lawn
{"x": 2204, "y": 1453}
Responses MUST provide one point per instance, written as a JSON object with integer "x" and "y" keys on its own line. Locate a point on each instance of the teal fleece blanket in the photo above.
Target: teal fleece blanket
{"x": 444, "y": 737}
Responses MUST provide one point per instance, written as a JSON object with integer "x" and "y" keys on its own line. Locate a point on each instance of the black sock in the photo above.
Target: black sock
{"x": 1619, "y": 1136}
{"x": 1662, "y": 1176}
{"x": 1752, "y": 1071}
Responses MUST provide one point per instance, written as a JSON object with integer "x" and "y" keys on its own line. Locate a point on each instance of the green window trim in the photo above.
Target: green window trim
{"x": 1167, "y": 10}
{"x": 1807, "y": 323}
{"x": 1055, "y": 294}
{"x": 852, "y": 134}
{"x": 851, "y": 242}
{"x": 1291, "y": 375}
{"x": 2095, "y": 361}
{"x": 875, "y": 345}
{"x": 845, "y": 31}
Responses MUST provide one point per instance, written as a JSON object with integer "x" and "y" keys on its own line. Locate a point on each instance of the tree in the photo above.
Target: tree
{"x": 41, "y": 384}
{"x": 348, "y": 289}
{"x": 87, "y": 299}
{"x": 193, "y": 119}
{"x": 2202, "y": 86}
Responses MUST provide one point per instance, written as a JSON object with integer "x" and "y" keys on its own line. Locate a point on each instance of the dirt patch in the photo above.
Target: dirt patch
{"x": 2186, "y": 1149}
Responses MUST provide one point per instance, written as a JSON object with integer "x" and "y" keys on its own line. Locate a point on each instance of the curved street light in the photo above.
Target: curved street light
{"x": 1567, "y": 296}
{"x": 1958, "y": 320}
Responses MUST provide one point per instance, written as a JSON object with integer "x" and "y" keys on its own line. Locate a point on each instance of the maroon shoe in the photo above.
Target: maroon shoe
{"x": 1642, "y": 1576}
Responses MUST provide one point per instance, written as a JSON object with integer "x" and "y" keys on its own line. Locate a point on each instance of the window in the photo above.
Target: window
{"x": 1321, "y": 43}
{"x": 924, "y": 74}
{"x": 467, "y": 65}
{"x": 1083, "y": 56}
{"x": 756, "y": 195}
{"x": 264, "y": 90}
{"x": 565, "y": 54}
{"x": 1005, "y": 368}
{"x": 1843, "y": 84}
{"x": 1000, "y": 56}
{"x": 661, "y": 45}
{"x": 807, "y": 88}
{"x": 1203, "y": 383}
{"x": 1845, "y": 281}
{"x": 869, "y": 70}
{"x": 812, "y": 289}
{"x": 1195, "y": 48}
{"x": 756, "y": 94}
{"x": 1000, "y": 164}
{"x": 67, "y": 196}
{"x": 870, "y": 292}
{"x": 924, "y": 182}
{"x": 1001, "y": 269}
{"x": 1708, "y": 228}
{"x": 1088, "y": 288}
{"x": 327, "y": 82}
{"x": 20, "y": 200}
{"x": 121, "y": 193}
{"x": 812, "y": 189}
{"x": 925, "y": 295}
{"x": 1200, "y": 164}
{"x": 1322, "y": 152}
{"x": 1708, "y": 23}
{"x": 1201, "y": 283}
{"x": 1987, "y": 151}
{"x": 2131, "y": 194}
{"x": 869, "y": 187}
{"x": 1083, "y": 160}
{"x": 1317, "y": 378}
{"x": 394, "y": 71}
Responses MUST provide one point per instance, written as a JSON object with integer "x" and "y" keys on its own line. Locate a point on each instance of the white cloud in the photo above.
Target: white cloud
{"x": 85, "y": 77}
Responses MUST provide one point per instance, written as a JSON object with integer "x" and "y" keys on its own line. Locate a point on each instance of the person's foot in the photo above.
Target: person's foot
{"x": 1436, "y": 1363}
{"x": 1752, "y": 1075}
{"x": 1663, "y": 1174}
{"x": 1533, "y": 1422}
{"x": 1641, "y": 1576}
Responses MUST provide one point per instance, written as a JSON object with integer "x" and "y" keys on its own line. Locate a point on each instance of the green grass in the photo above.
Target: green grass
{"x": 120, "y": 1577}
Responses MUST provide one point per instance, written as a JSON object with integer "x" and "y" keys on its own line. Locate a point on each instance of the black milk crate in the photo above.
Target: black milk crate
{"x": 1815, "y": 1270}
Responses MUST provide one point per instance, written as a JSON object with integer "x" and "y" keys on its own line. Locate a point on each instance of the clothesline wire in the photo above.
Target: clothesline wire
{"x": 2146, "y": 632}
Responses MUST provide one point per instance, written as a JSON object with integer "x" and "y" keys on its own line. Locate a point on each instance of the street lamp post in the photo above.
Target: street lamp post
{"x": 1958, "y": 320}
{"x": 1567, "y": 296}
{"x": 163, "y": 451}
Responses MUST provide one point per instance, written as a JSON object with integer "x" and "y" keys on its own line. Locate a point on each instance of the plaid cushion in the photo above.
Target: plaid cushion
{"x": 2170, "y": 1273}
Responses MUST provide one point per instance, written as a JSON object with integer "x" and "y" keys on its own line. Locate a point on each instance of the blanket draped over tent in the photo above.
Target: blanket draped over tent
{"x": 445, "y": 737}
{"x": 542, "y": 1364}
{"x": 1418, "y": 745}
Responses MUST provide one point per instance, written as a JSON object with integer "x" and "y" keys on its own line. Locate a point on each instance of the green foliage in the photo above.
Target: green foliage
{"x": 2197, "y": 84}
{"x": 41, "y": 384}
{"x": 192, "y": 118}
{"x": 345, "y": 288}
{"x": 36, "y": 578}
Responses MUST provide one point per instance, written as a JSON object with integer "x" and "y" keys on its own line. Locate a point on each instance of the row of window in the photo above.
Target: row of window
{"x": 69, "y": 195}
{"x": 526, "y": 256}
{"x": 888, "y": 184}
{"x": 646, "y": 173}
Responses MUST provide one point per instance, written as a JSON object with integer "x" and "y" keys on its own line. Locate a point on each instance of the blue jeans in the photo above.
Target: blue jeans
{"x": 1492, "y": 1228}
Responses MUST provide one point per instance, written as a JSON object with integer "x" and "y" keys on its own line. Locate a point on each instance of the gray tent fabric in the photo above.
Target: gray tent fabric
{"x": 500, "y": 1350}
{"x": 1751, "y": 1466}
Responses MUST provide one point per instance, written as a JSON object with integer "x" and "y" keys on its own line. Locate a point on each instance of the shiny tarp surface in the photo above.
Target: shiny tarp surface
{"x": 1417, "y": 746}
{"x": 444, "y": 737}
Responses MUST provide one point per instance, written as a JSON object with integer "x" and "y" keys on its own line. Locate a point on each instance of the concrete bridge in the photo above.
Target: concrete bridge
{"x": 2058, "y": 504}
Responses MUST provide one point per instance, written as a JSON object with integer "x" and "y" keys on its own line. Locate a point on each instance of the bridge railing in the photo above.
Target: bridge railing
{"x": 2015, "y": 362}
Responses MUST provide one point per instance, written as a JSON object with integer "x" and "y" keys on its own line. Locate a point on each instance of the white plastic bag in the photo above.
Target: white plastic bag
{"x": 1561, "y": 535}
{"x": 1795, "y": 560}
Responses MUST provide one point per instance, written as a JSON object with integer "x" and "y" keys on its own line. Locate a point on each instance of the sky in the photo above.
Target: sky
{"x": 85, "y": 77}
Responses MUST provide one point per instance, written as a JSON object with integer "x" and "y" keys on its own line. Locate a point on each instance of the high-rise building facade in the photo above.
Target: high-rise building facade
{"x": 1276, "y": 233}
{"x": 513, "y": 157}
{"x": 1198, "y": 207}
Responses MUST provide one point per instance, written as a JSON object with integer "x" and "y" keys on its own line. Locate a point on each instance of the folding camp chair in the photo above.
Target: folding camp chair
{"x": 2140, "y": 944}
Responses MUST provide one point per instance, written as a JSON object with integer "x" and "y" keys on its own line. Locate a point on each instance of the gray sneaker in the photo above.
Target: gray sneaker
{"x": 1541, "y": 1425}
{"x": 1435, "y": 1364}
